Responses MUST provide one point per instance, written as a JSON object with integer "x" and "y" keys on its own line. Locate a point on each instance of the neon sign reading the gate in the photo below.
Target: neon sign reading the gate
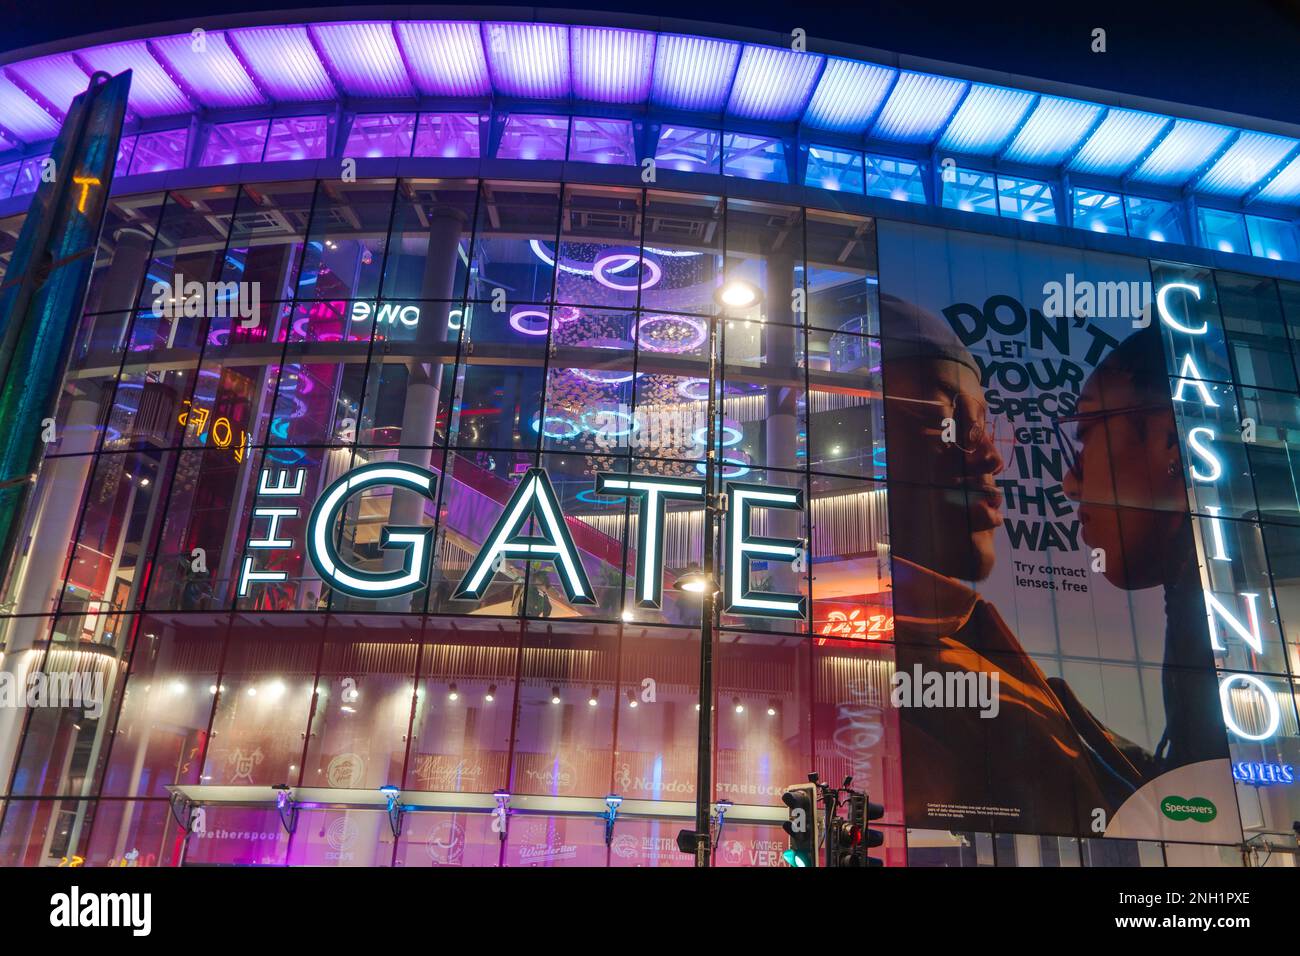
{"x": 532, "y": 527}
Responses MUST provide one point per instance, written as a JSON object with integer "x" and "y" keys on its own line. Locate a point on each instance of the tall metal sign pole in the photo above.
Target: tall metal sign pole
{"x": 45, "y": 286}
{"x": 708, "y": 610}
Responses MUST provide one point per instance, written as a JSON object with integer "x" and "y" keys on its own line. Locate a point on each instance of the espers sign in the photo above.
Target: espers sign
{"x": 532, "y": 527}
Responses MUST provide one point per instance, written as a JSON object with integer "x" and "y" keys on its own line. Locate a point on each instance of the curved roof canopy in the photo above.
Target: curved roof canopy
{"x": 247, "y": 67}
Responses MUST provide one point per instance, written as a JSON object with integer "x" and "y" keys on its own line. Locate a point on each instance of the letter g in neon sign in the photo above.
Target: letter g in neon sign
{"x": 324, "y": 554}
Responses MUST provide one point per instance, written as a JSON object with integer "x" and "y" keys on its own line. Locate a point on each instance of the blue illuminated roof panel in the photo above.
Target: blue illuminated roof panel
{"x": 917, "y": 108}
{"x": 1248, "y": 160}
{"x": 1187, "y": 146}
{"x": 1054, "y": 130}
{"x": 848, "y": 95}
{"x": 986, "y": 119}
{"x": 1118, "y": 142}
{"x": 242, "y": 68}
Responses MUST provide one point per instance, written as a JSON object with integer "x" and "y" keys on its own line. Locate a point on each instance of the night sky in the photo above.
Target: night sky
{"x": 1242, "y": 56}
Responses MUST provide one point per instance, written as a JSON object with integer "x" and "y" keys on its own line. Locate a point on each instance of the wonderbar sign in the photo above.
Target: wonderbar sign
{"x": 532, "y": 527}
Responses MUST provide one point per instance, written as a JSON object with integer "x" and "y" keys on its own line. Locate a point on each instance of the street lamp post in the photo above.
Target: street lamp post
{"x": 708, "y": 608}
{"x": 734, "y": 294}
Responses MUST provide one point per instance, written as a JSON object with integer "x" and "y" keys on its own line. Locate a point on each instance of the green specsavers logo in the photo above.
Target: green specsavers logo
{"x": 1188, "y": 808}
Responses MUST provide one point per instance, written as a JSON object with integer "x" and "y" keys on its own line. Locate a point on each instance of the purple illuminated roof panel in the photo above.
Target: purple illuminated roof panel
{"x": 285, "y": 62}
{"x": 693, "y": 73}
{"x": 22, "y": 117}
{"x": 364, "y": 57}
{"x": 153, "y": 92}
{"x": 773, "y": 84}
{"x": 610, "y": 65}
{"x": 244, "y": 68}
{"x": 58, "y": 77}
{"x": 211, "y": 70}
{"x": 528, "y": 60}
{"x": 445, "y": 59}
{"x": 848, "y": 95}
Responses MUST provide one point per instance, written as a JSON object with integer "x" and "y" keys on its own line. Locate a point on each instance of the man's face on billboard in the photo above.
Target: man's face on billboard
{"x": 1127, "y": 478}
{"x": 942, "y": 464}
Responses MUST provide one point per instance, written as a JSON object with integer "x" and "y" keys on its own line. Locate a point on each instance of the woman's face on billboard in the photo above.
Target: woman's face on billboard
{"x": 1127, "y": 478}
{"x": 943, "y": 462}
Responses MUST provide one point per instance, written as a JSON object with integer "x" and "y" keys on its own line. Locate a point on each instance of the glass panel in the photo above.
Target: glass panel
{"x": 9, "y": 176}
{"x": 125, "y": 150}
{"x": 510, "y": 264}
{"x": 897, "y": 179}
{"x": 689, "y": 149}
{"x": 1099, "y": 211}
{"x": 448, "y": 135}
{"x": 29, "y": 176}
{"x": 754, "y": 157}
{"x": 157, "y": 152}
{"x": 348, "y": 240}
{"x": 1273, "y": 238}
{"x": 970, "y": 191}
{"x": 297, "y": 137}
{"x": 834, "y": 169}
{"x": 1223, "y": 231}
{"x": 1252, "y": 318}
{"x": 1026, "y": 199}
{"x": 534, "y": 137}
{"x": 1154, "y": 219}
{"x": 607, "y": 141}
{"x": 381, "y": 134}
{"x": 841, "y": 274}
{"x": 231, "y": 143}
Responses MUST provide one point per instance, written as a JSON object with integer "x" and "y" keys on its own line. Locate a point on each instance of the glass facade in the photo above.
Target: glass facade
{"x": 478, "y": 330}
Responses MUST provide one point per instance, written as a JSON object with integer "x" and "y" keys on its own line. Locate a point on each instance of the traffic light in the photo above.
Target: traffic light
{"x": 854, "y": 837}
{"x": 871, "y": 838}
{"x": 846, "y": 844}
{"x": 802, "y": 827}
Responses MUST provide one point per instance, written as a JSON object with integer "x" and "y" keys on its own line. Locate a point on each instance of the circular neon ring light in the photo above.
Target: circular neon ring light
{"x": 589, "y": 496}
{"x": 697, "y": 389}
{"x": 460, "y": 319}
{"x": 652, "y": 271}
{"x": 700, "y": 333}
{"x": 739, "y": 467}
{"x": 567, "y": 313}
{"x": 517, "y": 321}
{"x": 543, "y": 253}
{"x": 294, "y": 455}
{"x": 691, "y": 386}
{"x": 599, "y": 377}
{"x": 734, "y": 435}
{"x": 556, "y": 419}
{"x": 632, "y": 424}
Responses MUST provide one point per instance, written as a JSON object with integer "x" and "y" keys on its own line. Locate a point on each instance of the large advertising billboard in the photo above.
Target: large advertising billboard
{"x": 1054, "y": 671}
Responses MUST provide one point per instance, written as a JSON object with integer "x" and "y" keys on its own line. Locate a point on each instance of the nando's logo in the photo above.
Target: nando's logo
{"x": 532, "y": 527}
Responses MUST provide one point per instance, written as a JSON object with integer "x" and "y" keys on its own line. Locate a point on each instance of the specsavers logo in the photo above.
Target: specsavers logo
{"x": 1183, "y": 808}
